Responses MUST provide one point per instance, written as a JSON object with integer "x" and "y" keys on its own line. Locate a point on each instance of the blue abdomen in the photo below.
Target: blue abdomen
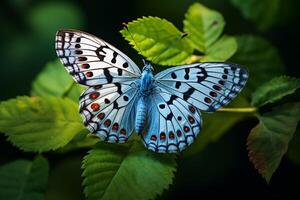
{"x": 141, "y": 114}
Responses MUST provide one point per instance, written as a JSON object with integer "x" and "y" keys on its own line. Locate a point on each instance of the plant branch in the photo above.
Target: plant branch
{"x": 239, "y": 110}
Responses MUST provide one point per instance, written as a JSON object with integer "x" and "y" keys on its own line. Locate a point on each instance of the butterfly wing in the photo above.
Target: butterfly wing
{"x": 109, "y": 110}
{"x": 207, "y": 86}
{"x": 174, "y": 118}
{"x": 173, "y": 123}
{"x": 92, "y": 61}
{"x": 108, "y": 105}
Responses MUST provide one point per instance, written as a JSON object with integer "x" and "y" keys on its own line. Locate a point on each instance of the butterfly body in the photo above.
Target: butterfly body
{"x": 163, "y": 108}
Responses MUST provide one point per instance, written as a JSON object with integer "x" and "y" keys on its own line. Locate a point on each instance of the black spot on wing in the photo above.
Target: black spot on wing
{"x": 100, "y": 49}
{"x": 188, "y": 93}
{"x": 169, "y": 116}
{"x": 115, "y": 105}
{"x": 120, "y": 72}
{"x": 173, "y": 75}
{"x": 107, "y": 75}
{"x": 187, "y": 71}
{"x": 177, "y": 84}
{"x": 119, "y": 88}
{"x": 125, "y": 65}
{"x": 172, "y": 98}
{"x": 114, "y": 59}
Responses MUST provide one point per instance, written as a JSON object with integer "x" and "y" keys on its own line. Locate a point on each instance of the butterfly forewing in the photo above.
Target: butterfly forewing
{"x": 91, "y": 61}
{"x": 207, "y": 86}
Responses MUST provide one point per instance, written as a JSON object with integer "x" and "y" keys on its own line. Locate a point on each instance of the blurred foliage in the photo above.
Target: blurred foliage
{"x": 255, "y": 10}
{"x": 294, "y": 147}
{"x": 49, "y": 120}
{"x": 24, "y": 179}
{"x": 260, "y": 57}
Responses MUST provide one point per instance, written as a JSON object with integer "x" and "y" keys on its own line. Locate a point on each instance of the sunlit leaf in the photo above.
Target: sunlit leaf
{"x": 203, "y": 25}
{"x": 82, "y": 140}
{"x": 275, "y": 90}
{"x": 54, "y": 80}
{"x": 269, "y": 140}
{"x": 158, "y": 37}
{"x": 260, "y": 57}
{"x": 263, "y": 13}
{"x": 221, "y": 50}
{"x": 127, "y": 171}
{"x": 24, "y": 180}
{"x": 39, "y": 124}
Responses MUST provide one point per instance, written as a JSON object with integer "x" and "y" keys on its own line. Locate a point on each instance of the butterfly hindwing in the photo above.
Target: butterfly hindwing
{"x": 109, "y": 110}
{"x": 92, "y": 61}
{"x": 173, "y": 123}
{"x": 207, "y": 86}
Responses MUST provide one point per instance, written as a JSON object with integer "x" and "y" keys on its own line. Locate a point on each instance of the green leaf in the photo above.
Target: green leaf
{"x": 126, "y": 171}
{"x": 263, "y": 13}
{"x": 209, "y": 133}
{"x": 39, "y": 124}
{"x": 54, "y": 80}
{"x": 24, "y": 180}
{"x": 294, "y": 147}
{"x": 203, "y": 25}
{"x": 275, "y": 90}
{"x": 221, "y": 50}
{"x": 158, "y": 37}
{"x": 82, "y": 140}
{"x": 269, "y": 140}
{"x": 260, "y": 57}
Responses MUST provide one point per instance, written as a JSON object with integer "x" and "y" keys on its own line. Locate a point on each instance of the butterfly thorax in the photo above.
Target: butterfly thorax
{"x": 146, "y": 81}
{"x": 146, "y": 88}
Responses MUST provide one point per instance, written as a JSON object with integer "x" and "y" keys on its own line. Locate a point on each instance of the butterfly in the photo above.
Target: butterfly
{"x": 121, "y": 99}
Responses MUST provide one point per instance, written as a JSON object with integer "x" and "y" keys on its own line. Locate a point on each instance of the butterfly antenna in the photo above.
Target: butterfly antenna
{"x": 126, "y": 27}
{"x": 179, "y": 39}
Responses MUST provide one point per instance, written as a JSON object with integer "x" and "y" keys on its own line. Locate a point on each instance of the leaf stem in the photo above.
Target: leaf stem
{"x": 239, "y": 110}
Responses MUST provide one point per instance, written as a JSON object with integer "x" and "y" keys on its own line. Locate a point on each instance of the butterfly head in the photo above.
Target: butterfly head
{"x": 147, "y": 66}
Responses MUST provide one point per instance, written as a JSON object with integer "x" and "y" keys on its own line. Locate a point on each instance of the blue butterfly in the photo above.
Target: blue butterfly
{"x": 164, "y": 109}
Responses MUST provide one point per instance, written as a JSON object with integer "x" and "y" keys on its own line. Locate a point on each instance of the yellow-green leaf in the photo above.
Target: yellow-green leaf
{"x": 39, "y": 124}
{"x": 158, "y": 37}
{"x": 221, "y": 50}
{"x": 54, "y": 80}
{"x": 203, "y": 25}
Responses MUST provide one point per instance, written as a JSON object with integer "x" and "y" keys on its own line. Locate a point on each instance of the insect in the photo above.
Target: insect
{"x": 120, "y": 99}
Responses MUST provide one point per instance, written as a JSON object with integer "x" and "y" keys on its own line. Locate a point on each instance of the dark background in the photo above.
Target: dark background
{"x": 222, "y": 170}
